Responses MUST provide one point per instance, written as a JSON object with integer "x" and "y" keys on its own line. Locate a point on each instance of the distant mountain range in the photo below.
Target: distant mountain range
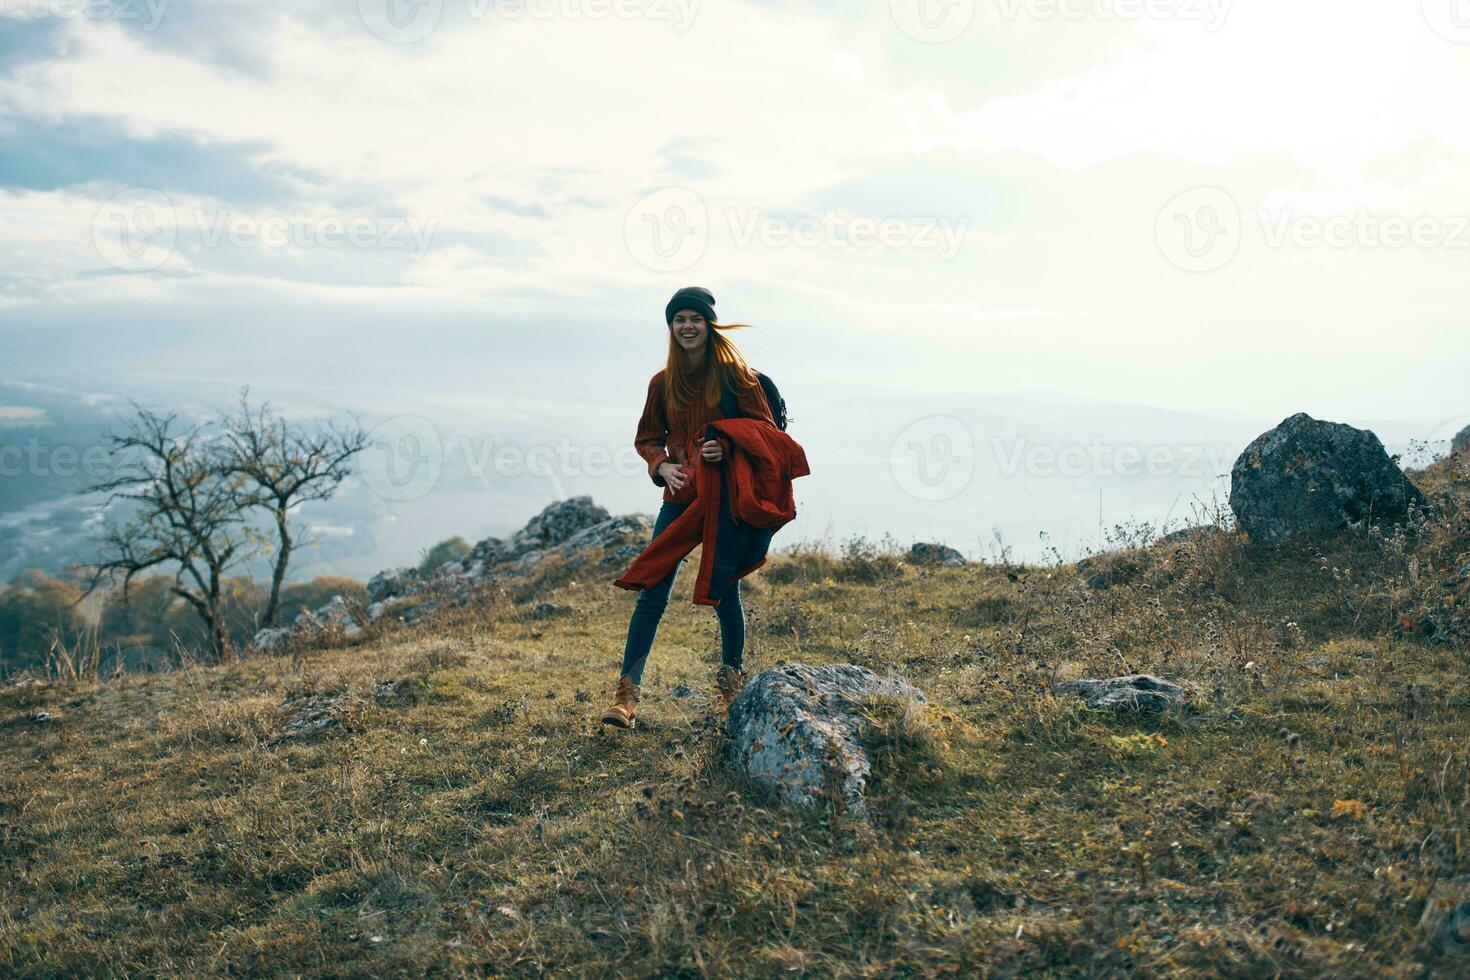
{"x": 1039, "y": 472}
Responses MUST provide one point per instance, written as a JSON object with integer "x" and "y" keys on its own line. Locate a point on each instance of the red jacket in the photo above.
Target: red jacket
{"x": 759, "y": 463}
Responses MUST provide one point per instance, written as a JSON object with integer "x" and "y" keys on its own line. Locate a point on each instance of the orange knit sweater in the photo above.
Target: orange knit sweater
{"x": 663, "y": 433}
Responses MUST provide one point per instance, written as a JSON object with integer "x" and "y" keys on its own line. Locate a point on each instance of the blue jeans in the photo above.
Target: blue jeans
{"x": 652, "y": 601}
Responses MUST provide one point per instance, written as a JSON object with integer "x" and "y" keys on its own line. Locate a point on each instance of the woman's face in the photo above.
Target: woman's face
{"x": 690, "y": 330}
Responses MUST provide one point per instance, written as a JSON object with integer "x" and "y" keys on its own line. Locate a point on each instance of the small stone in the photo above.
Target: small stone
{"x": 931, "y": 553}
{"x": 1136, "y": 692}
{"x": 1446, "y": 918}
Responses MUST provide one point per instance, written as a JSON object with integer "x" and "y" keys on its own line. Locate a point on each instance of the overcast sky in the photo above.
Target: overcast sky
{"x": 1244, "y": 209}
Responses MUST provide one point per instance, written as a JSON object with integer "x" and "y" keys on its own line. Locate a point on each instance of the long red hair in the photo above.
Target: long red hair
{"x": 724, "y": 365}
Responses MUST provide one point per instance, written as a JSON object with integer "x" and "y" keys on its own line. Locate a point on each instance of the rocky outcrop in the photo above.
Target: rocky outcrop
{"x": 930, "y": 553}
{"x": 576, "y": 531}
{"x": 1309, "y": 475}
{"x": 1132, "y": 692}
{"x": 795, "y": 730}
{"x": 557, "y": 524}
{"x": 338, "y": 618}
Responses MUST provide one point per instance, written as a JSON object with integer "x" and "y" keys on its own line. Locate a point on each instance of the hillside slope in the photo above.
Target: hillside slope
{"x": 450, "y": 805}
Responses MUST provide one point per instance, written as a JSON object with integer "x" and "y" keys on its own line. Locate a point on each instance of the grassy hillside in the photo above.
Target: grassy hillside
{"x": 472, "y": 818}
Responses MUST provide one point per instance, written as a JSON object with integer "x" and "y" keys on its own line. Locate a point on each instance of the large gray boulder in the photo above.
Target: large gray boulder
{"x": 795, "y": 730}
{"x": 1309, "y": 475}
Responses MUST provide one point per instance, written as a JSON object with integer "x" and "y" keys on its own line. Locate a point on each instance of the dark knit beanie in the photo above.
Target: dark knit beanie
{"x": 691, "y": 298}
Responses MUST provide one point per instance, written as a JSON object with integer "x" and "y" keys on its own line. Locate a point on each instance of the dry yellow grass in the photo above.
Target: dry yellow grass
{"x": 479, "y": 822}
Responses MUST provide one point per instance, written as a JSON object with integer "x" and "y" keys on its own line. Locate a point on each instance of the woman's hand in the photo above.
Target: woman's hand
{"x": 713, "y": 451}
{"x": 673, "y": 475}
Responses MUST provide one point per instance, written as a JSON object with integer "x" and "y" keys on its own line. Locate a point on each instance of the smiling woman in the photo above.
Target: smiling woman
{"x": 683, "y": 396}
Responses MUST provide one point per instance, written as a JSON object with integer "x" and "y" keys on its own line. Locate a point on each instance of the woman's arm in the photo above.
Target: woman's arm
{"x": 653, "y": 430}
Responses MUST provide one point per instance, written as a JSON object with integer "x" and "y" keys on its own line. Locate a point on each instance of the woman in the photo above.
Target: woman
{"x": 682, "y": 397}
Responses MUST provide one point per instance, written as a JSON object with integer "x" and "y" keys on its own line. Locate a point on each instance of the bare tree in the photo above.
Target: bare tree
{"x": 286, "y": 466}
{"x": 188, "y": 517}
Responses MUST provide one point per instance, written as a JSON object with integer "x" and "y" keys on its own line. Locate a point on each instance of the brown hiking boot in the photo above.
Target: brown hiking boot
{"x": 625, "y": 704}
{"x": 728, "y": 682}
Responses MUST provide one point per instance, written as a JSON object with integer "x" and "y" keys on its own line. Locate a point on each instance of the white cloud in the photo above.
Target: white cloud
{"x": 526, "y": 142}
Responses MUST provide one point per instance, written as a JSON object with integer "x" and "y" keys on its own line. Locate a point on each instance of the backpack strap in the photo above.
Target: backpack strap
{"x": 729, "y": 404}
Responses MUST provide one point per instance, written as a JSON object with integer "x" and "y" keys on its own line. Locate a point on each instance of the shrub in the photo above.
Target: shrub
{"x": 448, "y": 550}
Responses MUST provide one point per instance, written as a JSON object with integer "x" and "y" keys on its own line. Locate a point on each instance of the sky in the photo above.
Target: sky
{"x": 476, "y": 210}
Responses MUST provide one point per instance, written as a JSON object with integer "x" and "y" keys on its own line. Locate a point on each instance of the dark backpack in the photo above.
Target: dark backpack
{"x": 731, "y": 407}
